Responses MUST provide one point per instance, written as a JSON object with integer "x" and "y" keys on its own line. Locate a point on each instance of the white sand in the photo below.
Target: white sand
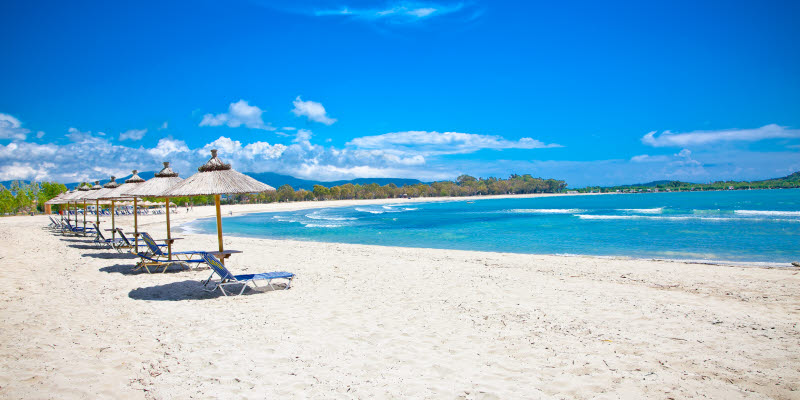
{"x": 370, "y": 321}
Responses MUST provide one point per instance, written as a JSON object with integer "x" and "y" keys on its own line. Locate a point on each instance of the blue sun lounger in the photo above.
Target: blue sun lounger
{"x": 78, "y": 230}
{"x": 227, "y": 278}
{"x": 155, "y": 257}
{"x": 102, "y": 241}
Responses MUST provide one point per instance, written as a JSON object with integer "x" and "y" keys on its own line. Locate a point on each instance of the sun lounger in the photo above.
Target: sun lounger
{"x": 78, "y": 230}
{"x": 156, "y": 258}
{"x": 227, "y": 278}
{"x": 102, "y": 241}
{"x": 54, "y": 224}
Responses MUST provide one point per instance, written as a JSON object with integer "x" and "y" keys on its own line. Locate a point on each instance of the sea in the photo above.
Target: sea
{"x": 747, "y": 226}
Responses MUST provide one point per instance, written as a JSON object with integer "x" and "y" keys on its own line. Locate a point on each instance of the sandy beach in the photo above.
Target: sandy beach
{"x": 386, "y": 322}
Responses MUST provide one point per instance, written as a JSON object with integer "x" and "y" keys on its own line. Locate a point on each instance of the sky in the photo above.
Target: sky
{"x": 594, "y": 93}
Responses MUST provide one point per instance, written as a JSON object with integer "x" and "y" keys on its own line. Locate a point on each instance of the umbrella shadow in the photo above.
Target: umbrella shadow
{"x": 187, "y": 290}
{"x": 77, "y": 240}
{"x": 84, "y": 246}
{"x": 128, "y": 269}
{"x": 110, "y": 256}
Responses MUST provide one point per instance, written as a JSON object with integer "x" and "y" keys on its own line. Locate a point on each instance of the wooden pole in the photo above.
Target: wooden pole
{"x": 84, "y": 217}
{"x": 219, "y": 228}
{"x": 136, "y": 224}
{"x": 97, "y": 212}
{"x": 76, "y": 214}
{"x": 169, "y": 235}
{"x": 113, "y": 226}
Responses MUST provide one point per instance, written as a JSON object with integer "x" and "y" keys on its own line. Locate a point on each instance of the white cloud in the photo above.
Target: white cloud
{"x": 289, "y": 128}
{"x": 397, "y": 12}
{"x": 163, "y": 126}
{"x": 239, "y": 113}
{"x": 133, "y": 134}
{"x": 699, "y": 138}
{"x": 75, "y": 135}
{"x": 11, "y": 128}
{"x": 438, "y": 143}
{"x": 167, "y": 147}
{"x": 312, "y": 110}
{"x": 39, "y": 134}
{"x": 303, "y": 136}
{"x": 648, "y": 158}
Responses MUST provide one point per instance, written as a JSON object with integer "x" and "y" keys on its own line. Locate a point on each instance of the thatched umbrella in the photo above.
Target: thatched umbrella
{"x": 217, "y": 178}
{"x": 108, "y": 188}
{"x": 54, "y": 200}
{"x": 163, "y": 181}
{"x": 121, "y": 193}
{"x": 84, "y": 189}
{"x": 62, "y": 200}
{"x": 96, "y": 192}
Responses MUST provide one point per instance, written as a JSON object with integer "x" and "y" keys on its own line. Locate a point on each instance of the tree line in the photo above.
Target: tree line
{"x": 464, "y": 185}
{"x": 25, "y": 198}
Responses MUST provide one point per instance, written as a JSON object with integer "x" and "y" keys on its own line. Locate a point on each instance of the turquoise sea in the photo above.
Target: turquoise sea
{"x": 742, "y": 226}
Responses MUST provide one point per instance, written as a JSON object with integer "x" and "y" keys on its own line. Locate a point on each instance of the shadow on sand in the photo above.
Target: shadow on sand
{"x": 111, "y": 256}
{"x": 127, "y": 269}
{"x": 187, "y": 290}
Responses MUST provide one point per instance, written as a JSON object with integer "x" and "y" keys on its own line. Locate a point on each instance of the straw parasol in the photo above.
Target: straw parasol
{"x": 83, "y": 191}
{"x": 163, "y": 181}
{"x": 94, "y": 193}
{"x": 121, "y": 193}
{"x": 108, "y": 188}
{"x": 217, "y": 178}
{"x": 61, "y": 200}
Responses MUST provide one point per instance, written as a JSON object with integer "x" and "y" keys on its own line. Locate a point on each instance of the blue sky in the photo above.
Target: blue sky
{"x": 593, "y": 93}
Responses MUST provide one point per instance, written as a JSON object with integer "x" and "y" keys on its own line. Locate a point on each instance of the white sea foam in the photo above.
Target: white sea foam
{"x": 650, "y": 217}
{"x": 316, "y": 215}
{"x": 322, "y": 225}
{"x": 284, "y": 218}
{"x": 644, "y": 210}
{"x": 546, "y": 210}
{"x": 367, "y": 210}
{"x": 769, "y": 213}
{"x": 682, "y": 218}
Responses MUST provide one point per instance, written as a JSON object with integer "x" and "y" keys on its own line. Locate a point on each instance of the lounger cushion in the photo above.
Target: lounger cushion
{"x": 266, "y": 275}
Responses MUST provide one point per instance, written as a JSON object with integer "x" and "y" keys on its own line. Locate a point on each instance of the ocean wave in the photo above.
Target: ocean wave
{"x": 644, "y": 210}
{"x": 768, "y": 213}
{"x": 682, "y": 218}
{"x": 367, "y": 210}
{"x": 650, "y": 217}
{"x": 316, "y": 215}
{"x": 313, "y": 225}
{"x": 546, "y": 210}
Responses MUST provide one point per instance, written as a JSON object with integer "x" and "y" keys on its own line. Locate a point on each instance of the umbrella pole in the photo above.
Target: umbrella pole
{"x": 113, "y": 226}
{"x": 169, "y": 236}
{"x": 76, "y": 214}
{"x": 136, "y": 223}
{"x": 84, "y": 218}
{"x": 219, "y": 228}
{"x": 97, "y": 212}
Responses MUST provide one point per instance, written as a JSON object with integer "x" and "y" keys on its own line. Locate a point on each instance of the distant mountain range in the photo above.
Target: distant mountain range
{"x": 275, "y": 180}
